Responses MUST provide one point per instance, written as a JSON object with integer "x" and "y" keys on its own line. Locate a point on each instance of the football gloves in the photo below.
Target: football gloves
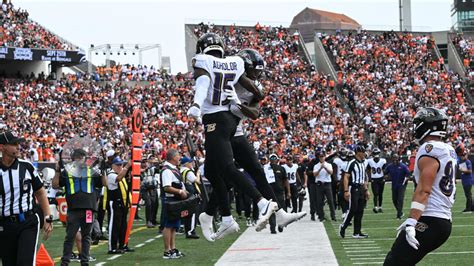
{"x": 410, "y": 232}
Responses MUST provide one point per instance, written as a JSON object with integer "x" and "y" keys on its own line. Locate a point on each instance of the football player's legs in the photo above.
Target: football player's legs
{"x": 245, "y": 155}
{"x": 218, "y": 155}
{"x": 375, "y": 191}
{"x": 381, "y": 189}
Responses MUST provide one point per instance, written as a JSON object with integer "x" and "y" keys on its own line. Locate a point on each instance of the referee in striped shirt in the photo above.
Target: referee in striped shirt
{"x": 19, "y": 186}
{"x": 356, "y": 192}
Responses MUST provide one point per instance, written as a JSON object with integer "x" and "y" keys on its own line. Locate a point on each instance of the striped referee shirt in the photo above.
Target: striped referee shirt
{"x": 17, "y": 184}
{"x": 356, "y": 169}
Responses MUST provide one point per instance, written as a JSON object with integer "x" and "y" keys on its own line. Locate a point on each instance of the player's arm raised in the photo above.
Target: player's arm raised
{"x": 250, "y": 86}
{"x": 251, "y": 110}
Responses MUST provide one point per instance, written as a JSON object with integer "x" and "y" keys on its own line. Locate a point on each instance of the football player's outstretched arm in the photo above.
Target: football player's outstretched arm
{"x": 250, "y": 86}
{"x": 428, "y": 169}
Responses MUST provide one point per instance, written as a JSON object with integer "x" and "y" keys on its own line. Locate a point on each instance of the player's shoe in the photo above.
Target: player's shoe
{"x": 342, "y": 231}
{"x": 206, "y": 226}
{"x": 265, "y": 215}
{"x": 226, "y": 228}
{"x": 283, "y": 218}
{"x": 360, "y": 235}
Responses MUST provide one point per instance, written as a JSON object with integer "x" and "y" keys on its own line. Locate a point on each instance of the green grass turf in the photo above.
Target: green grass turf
{"x": 197, "y": 251}
{"x": 381, "y": 228}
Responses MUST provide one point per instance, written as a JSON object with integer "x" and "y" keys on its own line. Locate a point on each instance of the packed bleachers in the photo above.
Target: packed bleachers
{"x": 388, "y": 76}
{"x": 19, "y": 31}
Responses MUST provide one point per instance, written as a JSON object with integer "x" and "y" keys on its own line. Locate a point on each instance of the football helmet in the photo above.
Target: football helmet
{"x": 376, "y": 152}
{"x": 429, "y": 121}
{"x": 254, "y": 63}
{"x": 210, "y": 42}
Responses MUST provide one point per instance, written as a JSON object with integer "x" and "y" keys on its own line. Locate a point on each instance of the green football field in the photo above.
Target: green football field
{"x": 381, "y": 228}
{"x": 148, "y": 244}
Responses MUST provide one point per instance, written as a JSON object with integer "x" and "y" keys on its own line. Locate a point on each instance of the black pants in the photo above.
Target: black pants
{"x": 431, "y": 233}
{"x": 77, "y": 219}
{"x": 150, "y": 196}
{"x": 294, "y": 198}
{"x": 245, "y": 155}
{"x": 281, "y": 202}
{"x": 300, "y": 202}
{"x": 335, "y": 198}
{"x": 468, "y": 194}
{"x": 378, "y": 185}
{"x": 219, "y": 130}
{"x": 324, "y": 190}
{"x": 357, "y": 204}
{"x": 101, "y": 214}
{"x": 342, "y": 201}
{"x": 398, "y": 196}
{"x": 18, "y": 241}
{"x": 242, "y": 203}
{"x": 312, "y": 197}
{"x": 117, "y": 224}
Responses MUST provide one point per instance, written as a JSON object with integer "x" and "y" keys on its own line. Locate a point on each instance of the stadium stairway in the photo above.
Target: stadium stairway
{"x": 456, "y": 64}
{"x": 326, "y": 65}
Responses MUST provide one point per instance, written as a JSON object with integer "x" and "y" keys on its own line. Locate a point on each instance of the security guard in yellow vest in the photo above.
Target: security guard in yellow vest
{"x": 191, "y": 182}
{"x": 81, "y": 198}
{"x": 118, "y": 199}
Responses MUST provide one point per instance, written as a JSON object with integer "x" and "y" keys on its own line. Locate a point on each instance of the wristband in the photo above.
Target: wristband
{"x": 417, "y": 206}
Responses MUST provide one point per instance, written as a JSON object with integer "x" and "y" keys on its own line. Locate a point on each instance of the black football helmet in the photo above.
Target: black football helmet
{"x": 430, "y": 121}
{"x": 343, "y": 154}
{"x": 376, "y": 152}
{"x": 210, "y": 42}
{"x": 254, "y": 63}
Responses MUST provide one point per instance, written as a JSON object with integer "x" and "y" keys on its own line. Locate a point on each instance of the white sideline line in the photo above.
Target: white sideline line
{"x": 140, "y": 245}
{"x": 114, "y": 257}
{"x": 100, "y": 263}
{"x": 359, "y": 263}
{"x": 150, "y": 240}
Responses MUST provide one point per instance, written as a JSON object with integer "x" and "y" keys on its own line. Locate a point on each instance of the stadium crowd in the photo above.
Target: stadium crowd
{"x": 301, "y": 109}
{"x": 388, "y": 76}
{"x": 19, "y": 31}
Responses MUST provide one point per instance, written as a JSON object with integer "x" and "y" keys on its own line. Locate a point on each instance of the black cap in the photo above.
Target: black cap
{"x": 8, "y": 138}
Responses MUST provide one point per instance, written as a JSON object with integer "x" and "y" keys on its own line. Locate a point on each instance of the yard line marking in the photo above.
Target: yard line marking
{"x": 158, "y": 236}
{"x": 359, "y": 263}
{"x": 365, "y": 255}
{"x": 150, "y": 240}
{"x": 451, "y": 252}
{"x": 357, "y": 241}
{"x": 364, "y": 250}
{"x": 358, "y": 248}
{"x": 100, "y": 263}
{"x": 140, "y": 245}
{"x": 354, "y": 246}
{"x": 114, "y": 257}
{"x": 394, "y": 227}
{"x": 378, "y": 258}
